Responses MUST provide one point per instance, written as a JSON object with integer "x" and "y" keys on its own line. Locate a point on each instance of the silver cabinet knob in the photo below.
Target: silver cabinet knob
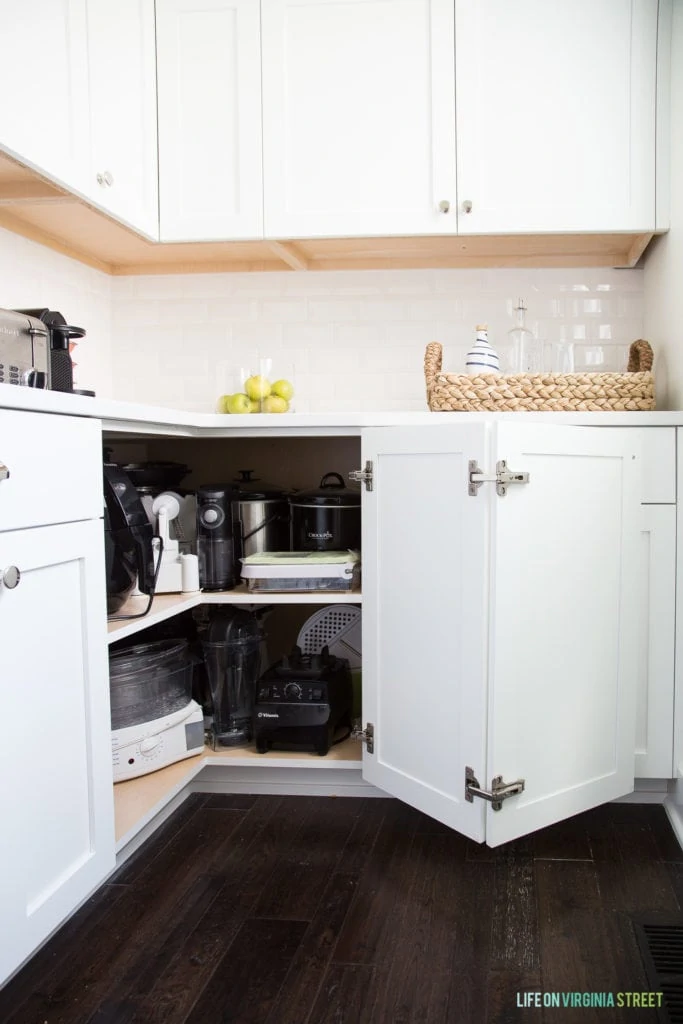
{"x": 10, "y": 577}
{"x": 4, "y": 471}
{"x": 105, "y": 179}
{"x": 467, "y": 206}
{"x": 444, "y": 206}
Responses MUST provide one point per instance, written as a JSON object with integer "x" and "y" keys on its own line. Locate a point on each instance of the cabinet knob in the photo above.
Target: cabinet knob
{"x": 4, "y": 471}
{"x": 10, "y": 577}
{"x": 467, "y": 206}
{"x": 444, "y": 206}
{"x": 105, "y": 179}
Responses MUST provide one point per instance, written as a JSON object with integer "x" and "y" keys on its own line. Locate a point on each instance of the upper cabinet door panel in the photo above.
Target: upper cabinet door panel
{"x": 424, "y": 618}
{"x": 358, "y": 117}
{"x": 565, "y": 612}
{"x": 43, "y": 84}
{"x": 123, "y": 122}
{"x": 209, "y": 95}
{"x": 556, "y": 115}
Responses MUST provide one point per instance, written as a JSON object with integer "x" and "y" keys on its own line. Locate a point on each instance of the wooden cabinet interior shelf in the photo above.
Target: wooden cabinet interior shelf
{"x": 40, "y": 210}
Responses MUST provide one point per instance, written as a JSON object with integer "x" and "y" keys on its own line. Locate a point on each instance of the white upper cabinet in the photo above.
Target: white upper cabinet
{"x": 44, "y": 87}
{"x": 209, "y": 96}
{"x": 358, "y": 117}
{"x": 123, "y": 125}
{"x": 556, "y": 115}
{"x": 508, "y": 653}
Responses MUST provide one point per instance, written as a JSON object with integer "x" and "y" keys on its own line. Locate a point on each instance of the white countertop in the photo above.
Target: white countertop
{"x": 130, "y": 417}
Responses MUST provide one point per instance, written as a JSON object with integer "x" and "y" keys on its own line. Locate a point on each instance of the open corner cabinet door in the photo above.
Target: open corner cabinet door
{"x": 564, "y": 633}
{"x": 425, "y": 593}
{"x": 500, "y": 630}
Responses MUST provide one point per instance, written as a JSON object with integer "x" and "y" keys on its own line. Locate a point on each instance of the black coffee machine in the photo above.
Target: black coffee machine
{"x": 128, "y": 535}
{"x": 61, "y": 333}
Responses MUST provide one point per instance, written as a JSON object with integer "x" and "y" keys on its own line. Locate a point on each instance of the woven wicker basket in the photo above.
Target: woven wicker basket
{"x": 543, "y": 392}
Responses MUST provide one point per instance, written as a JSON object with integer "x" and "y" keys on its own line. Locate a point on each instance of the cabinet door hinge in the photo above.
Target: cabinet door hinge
{"x": 366, "y": 736}
{"x": 363, "y": 476}
{"x": 499, "y": 790}
{"x": 503, "y": 478}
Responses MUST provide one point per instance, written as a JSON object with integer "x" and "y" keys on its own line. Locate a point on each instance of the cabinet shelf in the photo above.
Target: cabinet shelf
{"x": 165, "y": 606}
{"x": 137, "y": 801}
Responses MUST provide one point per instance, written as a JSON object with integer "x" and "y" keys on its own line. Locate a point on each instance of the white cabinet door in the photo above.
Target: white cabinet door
{"x": 655, "y": 708}
{"x": 556, "y": 115}
{"x": 43, "y": 85}
{"x": 565, "y": 606}
{"x": 209, "y": 96}
{"x": 123, "y": 123}
{"x": 56, "y": 799}
{"x": 425, "y": 593}
{"x": 358, "y": 117}
{"x": 501, "y": 632}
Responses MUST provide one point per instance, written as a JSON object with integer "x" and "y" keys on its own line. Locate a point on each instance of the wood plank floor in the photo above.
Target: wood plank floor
{"x": 311, "y": 910}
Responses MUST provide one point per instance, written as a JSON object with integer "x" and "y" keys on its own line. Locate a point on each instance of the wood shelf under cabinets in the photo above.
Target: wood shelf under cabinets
{"x": 42, "y": 211}
{"x": 165, "y": 606}
{"x": 137, "y": 801}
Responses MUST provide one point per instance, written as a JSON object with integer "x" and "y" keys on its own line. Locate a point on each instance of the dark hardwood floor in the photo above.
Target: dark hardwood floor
{"x": 311, "y": 910}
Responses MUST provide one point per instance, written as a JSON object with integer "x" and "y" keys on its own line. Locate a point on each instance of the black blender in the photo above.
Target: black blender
{"x": 232, "y": 655}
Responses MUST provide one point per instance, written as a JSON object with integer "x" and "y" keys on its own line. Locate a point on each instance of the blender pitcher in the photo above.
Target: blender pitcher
{"x": 232, "y": 650}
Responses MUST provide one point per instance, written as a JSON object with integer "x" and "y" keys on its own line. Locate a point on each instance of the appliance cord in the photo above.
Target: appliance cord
{"x": 141, "y": 615}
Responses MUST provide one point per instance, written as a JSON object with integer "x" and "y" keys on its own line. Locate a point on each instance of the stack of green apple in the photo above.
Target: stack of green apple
{"x": 259, "y": 395}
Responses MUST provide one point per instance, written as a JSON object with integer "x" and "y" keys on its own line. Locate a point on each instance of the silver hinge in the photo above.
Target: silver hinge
{"x": 363, "y": 476}
{"x": 502, "y": 479}
{"x": 499, "y": 790}
{"x": 366, "y": 736}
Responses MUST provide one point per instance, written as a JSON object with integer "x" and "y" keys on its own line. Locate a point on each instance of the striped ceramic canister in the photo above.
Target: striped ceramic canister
{"x": 482, "y": 357}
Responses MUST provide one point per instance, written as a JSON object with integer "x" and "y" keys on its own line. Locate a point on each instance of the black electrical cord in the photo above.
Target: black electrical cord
{"x": 141, "y": 615}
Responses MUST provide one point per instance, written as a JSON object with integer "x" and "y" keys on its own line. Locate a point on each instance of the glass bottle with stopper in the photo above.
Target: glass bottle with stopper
{"x": 524, "y": 351}
{"x": 482, "y": 357}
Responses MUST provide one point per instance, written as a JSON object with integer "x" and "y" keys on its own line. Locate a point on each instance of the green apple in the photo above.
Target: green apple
{"x": 273, "y": 403}
{"x": 254, "y": 406}
{"x": 236, "y": 403}
{"x": 257, "y": 387}
{"x": 283, "y": 388}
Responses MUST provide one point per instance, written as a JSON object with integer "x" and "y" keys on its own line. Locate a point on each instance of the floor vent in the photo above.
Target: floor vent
{"x": 661, "y": 947}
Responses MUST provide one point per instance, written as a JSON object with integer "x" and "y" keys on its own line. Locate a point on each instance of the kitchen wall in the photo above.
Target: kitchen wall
{"x": 356, "y": 339}
{"x": 33, "y": 276}
{"x": 663, "y": 292}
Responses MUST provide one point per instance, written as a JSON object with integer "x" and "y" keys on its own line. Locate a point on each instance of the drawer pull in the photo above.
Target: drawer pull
{"x": 10, "y": 577}
{"x": 4, "y": 471}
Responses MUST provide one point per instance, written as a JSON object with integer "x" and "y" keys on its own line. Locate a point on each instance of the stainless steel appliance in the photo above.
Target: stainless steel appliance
{"x": 24, "y": 350}
{"x": 327, "y": 518}
{"x": 261, "y": 514}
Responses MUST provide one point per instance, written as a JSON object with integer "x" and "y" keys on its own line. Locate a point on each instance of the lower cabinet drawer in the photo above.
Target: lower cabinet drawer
{"x": 50, "y": 469}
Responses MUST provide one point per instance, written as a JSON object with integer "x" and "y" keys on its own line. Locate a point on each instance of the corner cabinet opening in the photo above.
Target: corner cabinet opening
{"x": 291, "y": 464}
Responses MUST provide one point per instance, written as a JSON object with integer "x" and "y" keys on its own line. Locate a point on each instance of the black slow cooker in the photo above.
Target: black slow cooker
{"x": 326, "y": 519}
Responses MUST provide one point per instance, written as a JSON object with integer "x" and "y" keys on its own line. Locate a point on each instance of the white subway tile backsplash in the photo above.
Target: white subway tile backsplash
{"x": 350, "y": 340}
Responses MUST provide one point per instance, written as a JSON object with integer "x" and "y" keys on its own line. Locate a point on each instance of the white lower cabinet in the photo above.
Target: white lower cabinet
{"x": 500, "y": 632}
{"x": 55, "y": 757}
